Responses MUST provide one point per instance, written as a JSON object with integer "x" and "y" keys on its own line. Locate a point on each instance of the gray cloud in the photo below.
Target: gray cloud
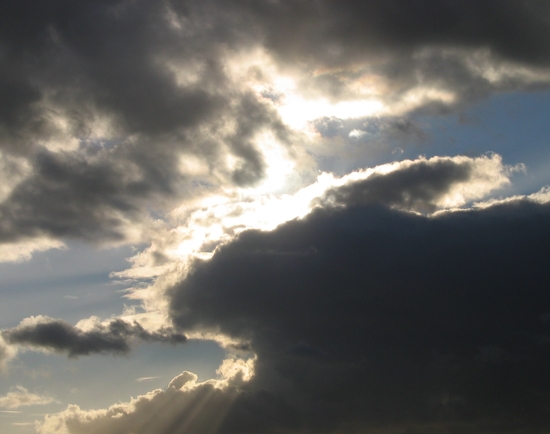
{"x": 94, "y": 194}
{"x": 6, "y": 354}
{"x": 426, "y": 43}
{"x": 110, "y": 57}
{"x": 59, "y": 336}
{"x": 94, "y": 101}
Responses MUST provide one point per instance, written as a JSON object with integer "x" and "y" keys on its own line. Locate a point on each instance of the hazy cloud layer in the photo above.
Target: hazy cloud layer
{"x": 59, "y": 336}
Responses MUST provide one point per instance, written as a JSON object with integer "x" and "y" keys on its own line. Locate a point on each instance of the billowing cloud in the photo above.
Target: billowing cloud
{"x": 59, "y": 336}
{"x": 121, "y": 115}
{"x": 19, "y": 397}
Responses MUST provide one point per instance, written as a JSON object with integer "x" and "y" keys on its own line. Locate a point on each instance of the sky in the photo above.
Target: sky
{"x": 274, "y": 216}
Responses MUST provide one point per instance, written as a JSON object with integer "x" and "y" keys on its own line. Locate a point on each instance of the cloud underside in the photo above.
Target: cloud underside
{"x": 111, "y": 111}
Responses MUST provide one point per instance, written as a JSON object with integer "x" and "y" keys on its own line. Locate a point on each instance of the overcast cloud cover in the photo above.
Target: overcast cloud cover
{"x": 316, "y": 186}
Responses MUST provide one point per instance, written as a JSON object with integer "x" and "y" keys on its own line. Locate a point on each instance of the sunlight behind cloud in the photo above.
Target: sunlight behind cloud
{"x": 198, "y": 230}
{"x": 296, "y": 111}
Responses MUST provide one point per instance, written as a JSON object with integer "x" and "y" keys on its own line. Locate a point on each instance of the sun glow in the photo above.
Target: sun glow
{"x": 297, "y": 111}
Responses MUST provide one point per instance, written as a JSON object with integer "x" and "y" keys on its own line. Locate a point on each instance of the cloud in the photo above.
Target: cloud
{"x": 184, "y": 406}
{"x": 106, "y": 195}
{"x": 424, "y": 185}
{"x": 58, "y": 336}
{"x": 19, "y": 397}
{"x": 421, "y": 185}
{"x": 22, "y": 249}
{"x": 381, "y": 308}
{"x": 427, "y": 55}
{"x": 146, "y": 379}
{"x": 162, "y": 69}
{"x": 115, "y": 113}
{"x": 333, "y": 31}
{"x": 95, "y": 135}
{"x": 363, "y": 316}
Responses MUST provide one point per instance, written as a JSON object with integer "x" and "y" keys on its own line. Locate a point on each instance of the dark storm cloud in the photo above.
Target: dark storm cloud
{"x": 59, "y": 336}
{"x": 365, "y": 317}
{"x": 95, "y": 194}
{"x": 407, "y": 44}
